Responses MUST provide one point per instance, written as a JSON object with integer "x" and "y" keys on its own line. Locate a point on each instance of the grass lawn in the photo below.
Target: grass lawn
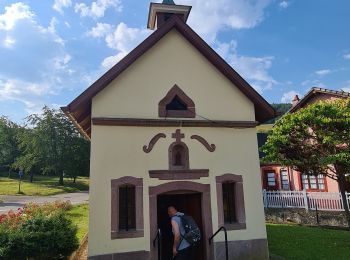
{"x": 297, "y": 242}
{"x": 42, "y": 185}
{"x": 79, "y": 214}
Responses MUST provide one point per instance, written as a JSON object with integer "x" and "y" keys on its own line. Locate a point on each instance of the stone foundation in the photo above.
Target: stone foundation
{"x": 255, "y": 249}
{"x": 301, "y": 216}
{"x": 137, "y": 255}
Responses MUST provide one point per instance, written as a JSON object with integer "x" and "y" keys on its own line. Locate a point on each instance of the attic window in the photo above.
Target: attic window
{"x": 176, "y": 104}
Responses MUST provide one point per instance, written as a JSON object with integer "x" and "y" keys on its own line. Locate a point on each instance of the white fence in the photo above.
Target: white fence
{"x": 331, "y": 201}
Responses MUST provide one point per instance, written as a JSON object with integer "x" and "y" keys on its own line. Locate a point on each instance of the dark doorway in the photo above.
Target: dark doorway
{"x": 189, "y": 204}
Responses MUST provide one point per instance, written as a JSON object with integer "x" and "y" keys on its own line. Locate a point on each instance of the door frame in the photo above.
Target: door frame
{"x": 182, "y": 187}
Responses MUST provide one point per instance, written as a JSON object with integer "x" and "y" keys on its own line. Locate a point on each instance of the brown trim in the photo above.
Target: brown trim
{"x": 210, "y": 147}
{"x": 153, "y": 141}
{"x": 266, "y": 181}
{"x": 239, "y": 201}
{"x": 184, "y": 156}
{"x": 71, "y": 117}
{"x": 179, "y": 174}
{"x": 115, "y": 184}
{"x": 263, "y": 110}
{"x": 171, "y": 122}
{"x": 206, "y": 211}
{"x": 176, "y": 91}
{"x": 135, "y": 255}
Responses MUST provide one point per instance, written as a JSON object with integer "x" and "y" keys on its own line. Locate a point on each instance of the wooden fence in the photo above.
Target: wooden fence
{"x": 328, "y": 201}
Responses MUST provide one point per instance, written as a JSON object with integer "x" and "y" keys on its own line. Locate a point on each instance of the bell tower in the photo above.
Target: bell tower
{"x": 159, "y": 13}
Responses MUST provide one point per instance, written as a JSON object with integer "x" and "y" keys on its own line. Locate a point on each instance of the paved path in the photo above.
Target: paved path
{"x": 15, "y": 202}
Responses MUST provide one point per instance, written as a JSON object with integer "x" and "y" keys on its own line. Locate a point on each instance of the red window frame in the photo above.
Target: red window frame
{"x": 266, "y": 180}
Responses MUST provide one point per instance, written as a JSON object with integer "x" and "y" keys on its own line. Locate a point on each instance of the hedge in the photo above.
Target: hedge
{"x": 37, "y": 232}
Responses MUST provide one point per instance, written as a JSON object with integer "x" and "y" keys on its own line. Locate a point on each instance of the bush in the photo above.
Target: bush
{"x": 39, "y": 232}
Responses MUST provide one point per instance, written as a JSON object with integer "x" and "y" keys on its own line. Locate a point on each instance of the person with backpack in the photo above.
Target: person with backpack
{"x": 186, "y": 234}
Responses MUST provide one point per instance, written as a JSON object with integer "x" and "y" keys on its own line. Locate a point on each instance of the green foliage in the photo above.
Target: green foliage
{"x": 281, "y": 109}
{"x": 314, "y": 140}
{"x": 39, "y": 232}
{"x": 51, "y": 144}
{"x": 9, "y": 146}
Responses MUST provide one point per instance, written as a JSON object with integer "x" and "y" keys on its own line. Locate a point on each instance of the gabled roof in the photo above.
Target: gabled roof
{"x": 317, "y": 91}
{"x": 79, "y": 110}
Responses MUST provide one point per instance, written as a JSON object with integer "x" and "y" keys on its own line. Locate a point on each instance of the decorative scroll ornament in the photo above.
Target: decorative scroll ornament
{"x": 210, "y": 147}
{"x": 153, "y": 141}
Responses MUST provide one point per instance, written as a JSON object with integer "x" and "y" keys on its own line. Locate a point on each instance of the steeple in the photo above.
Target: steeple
{"x": 168, "y": 2}
{"x": 159, "y": 13}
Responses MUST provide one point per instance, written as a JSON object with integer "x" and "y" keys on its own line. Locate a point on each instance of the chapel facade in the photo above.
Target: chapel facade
{"x": 172, "y": 124}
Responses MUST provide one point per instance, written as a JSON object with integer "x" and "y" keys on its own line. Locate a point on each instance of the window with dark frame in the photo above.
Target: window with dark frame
{"x": 228, "y": 191}
{"x": 271, "y": 179}
{"x": 176, "y": 104}
{"x": 127, "y": 208}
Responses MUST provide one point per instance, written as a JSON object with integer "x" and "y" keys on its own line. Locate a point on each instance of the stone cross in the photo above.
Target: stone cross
{"x": 178, "y": 136}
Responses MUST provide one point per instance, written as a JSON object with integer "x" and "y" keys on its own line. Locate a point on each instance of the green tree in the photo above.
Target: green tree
{"x": 9, "y": 145}
{"x": 314, "y": 140}
{"x": 54, "y": 145}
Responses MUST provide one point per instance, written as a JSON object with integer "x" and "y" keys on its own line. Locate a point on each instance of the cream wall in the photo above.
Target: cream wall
{"x": 117, "y": 151}
{"x": 173, "y": 60}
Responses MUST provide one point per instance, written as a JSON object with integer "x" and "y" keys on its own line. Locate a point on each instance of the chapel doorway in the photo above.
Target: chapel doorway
{"x": 188, "y": 203}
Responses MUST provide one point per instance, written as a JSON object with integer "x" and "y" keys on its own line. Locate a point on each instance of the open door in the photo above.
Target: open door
{"x": 189, "y": 204}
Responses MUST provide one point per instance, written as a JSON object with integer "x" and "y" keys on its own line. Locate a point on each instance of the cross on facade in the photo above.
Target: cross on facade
{"x": 178, "y": 136}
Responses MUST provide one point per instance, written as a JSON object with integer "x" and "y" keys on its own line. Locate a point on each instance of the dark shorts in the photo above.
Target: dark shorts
{"x": 184, "y": 254}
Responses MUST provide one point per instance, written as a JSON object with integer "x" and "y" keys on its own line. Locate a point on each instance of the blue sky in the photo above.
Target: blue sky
{"x": 52, "y": 50}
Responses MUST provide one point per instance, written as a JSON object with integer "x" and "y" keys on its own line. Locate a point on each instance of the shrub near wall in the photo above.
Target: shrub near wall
{"x": 37, "y": 232}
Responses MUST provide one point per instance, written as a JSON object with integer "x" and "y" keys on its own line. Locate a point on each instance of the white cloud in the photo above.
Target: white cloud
{"x": 222, "y": 14}
{"x": 313, "y": 83}
{"x": 60, "y": 4}
{"x": 13, "y": 14}
{"x": 121, "y": 38}
{"x": 112, "y": 60}
{"x": 29, "y": 94}
{"x": 346, "y": 56}
{"x": 346, "y": 89}
{"x": 97, "y": 9}
{"x": 9, "y": 42}
{"x": 283, "y": 4}
{"x": 323, "y": 72}
{"x": 254, "y": 69}
{"x": 100, "y": 30}
{"x": 37, "y": 63}
{"x": 288, "y": 96}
